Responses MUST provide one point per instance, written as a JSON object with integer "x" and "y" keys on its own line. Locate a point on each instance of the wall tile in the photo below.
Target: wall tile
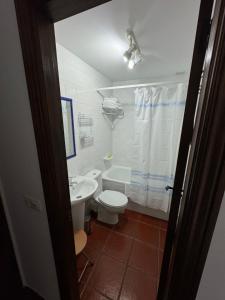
{"x": 76, "y": 75}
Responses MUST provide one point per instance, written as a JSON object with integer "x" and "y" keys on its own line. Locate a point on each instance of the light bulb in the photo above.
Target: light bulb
{"x": 127, "y": 55}
{"x": 125, "y": 59}
{"x": 131, "y": 64}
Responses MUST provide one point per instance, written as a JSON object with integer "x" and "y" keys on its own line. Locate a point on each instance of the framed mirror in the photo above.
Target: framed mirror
{"x": 68, "y": 125}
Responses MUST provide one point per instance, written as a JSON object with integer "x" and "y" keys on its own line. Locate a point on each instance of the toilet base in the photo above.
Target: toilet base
{"x": 107, "y": 217}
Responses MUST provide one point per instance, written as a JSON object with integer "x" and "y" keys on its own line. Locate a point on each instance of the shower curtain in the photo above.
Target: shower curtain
{"x": 157, "y": 128}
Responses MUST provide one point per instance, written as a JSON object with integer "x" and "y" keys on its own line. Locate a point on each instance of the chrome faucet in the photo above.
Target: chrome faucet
{"x": 71, "y": 182}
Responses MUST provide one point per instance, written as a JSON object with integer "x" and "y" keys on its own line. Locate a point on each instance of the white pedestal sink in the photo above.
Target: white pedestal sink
{"x": 82, "y": 188}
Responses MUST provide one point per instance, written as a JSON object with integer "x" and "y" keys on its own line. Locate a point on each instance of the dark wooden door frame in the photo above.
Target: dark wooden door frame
{"x": 36, "y": 29}
{"x": 35, "y": 21}
{"x": 205, "y": 179}
{"x": 200, "y": 46}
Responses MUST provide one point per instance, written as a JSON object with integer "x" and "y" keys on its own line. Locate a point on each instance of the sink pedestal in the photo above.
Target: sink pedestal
{"x": 78, "y": 212}
{"x": 81, "y": 189}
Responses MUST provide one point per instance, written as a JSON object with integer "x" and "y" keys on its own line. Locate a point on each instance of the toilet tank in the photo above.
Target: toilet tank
{"x": 97, "y": 175}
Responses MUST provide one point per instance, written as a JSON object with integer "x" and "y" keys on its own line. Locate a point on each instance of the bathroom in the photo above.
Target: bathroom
{"x": 123, "y": 92}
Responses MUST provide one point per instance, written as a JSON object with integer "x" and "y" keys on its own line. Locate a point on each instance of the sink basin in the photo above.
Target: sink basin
{"x": 82, "y": 189}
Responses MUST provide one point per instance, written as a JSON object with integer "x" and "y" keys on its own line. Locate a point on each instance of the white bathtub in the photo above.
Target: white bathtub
{"x": 116, "y": 178}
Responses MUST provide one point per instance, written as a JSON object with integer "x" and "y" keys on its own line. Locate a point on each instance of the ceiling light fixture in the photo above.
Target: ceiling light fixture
{"x": 131, "y": 64}
{"x": 133, "y": 55}
{"x": 127, "y": 55}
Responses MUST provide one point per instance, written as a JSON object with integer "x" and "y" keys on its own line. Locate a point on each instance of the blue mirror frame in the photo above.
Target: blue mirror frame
{"x": 70, "y": 102}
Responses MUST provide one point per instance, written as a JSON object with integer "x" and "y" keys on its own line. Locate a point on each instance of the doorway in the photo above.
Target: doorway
{"x": 118, "y": 112}
{"x": 53, "y": 161}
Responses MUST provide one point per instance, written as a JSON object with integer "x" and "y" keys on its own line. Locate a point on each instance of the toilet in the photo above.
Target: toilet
{"x": 110, "y": 203}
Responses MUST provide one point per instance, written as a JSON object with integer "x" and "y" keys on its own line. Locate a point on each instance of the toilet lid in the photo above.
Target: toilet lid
{"x": 113, "y": 198}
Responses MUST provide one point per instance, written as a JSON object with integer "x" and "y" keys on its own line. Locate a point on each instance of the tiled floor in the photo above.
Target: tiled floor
{"x": 127, "y": 259}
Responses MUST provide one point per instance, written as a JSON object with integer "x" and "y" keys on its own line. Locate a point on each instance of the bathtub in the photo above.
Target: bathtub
{"x": 116, "y": 178}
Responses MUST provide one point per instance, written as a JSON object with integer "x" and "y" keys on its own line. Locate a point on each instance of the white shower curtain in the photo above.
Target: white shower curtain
{"x": 157, "y": 122}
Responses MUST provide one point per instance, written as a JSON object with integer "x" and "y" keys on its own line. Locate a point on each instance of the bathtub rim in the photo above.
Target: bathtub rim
{"x": 106, "y": 177}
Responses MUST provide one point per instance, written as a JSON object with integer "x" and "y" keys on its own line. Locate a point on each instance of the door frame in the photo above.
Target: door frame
{"x": 199, "y": 52}
{"x": 204, "y": 183}
{"x": 36, "y": 27}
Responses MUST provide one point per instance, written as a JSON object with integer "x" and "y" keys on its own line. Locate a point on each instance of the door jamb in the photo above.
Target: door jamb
{"x": 201, "y": 42}
{"x": 205, "y": 184}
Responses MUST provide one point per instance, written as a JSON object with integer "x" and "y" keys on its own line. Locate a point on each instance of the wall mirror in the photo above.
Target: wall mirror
{"x": 68, "y": 125}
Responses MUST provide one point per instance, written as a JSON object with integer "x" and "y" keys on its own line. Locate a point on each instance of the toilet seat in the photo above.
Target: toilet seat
{"x": 113, "y": 199}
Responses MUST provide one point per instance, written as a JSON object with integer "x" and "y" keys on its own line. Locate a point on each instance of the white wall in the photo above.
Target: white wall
{"x": 123, "y": 132}
{"x": 212, "y": 285}
{"x": 76, "y": 75}
{"x": 19, "y": 167}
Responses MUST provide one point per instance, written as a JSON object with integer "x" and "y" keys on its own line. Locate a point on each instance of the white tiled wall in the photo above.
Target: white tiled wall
{"x": 76, "y": 75}
{"x": 123, "y": 132}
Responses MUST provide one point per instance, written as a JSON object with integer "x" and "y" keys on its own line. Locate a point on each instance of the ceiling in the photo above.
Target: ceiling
{"x": 165, "y": 31}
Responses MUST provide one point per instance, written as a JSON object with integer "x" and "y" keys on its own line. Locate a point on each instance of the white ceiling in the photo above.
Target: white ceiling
{"x": 164, "y": 29}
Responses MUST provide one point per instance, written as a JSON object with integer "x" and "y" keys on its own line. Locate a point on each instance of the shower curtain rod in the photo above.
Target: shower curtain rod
{"x": 131, "y": 86}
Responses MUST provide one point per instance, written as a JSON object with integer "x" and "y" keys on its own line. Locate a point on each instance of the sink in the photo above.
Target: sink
{"x": 82, "y": 188}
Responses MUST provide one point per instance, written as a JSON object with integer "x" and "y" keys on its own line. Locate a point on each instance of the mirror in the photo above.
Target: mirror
{"x": 68, "y": 125}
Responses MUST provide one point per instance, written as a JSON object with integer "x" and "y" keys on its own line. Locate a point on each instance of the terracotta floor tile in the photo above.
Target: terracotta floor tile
{"x": 162, "y": 239}
{"x": 98, "y": 223}
{"x": 130, "y": 214}
{"x": 160, "y": 257}
{"x": 85, "y": 278}
{"x": 138, "y": 286}
{"x": 110, "y": 248}
{"x": 91, "y": 294}
{"x": 145, "y": 258}
{"x": 126, "y": 226}
{"x": 107, "y": 277}
{"x": 163, "y": 225}
{"x": 150, "y": 220}
{"x": 92, "y": 252}
{"x": 147, "y": 234}
{"x": 81, "y": 261}
{"x": 98, "y": 237}
{"x": 118, "y": 246}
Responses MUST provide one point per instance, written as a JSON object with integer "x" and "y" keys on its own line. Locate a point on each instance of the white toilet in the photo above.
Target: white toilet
{"x": 110, "y": 203}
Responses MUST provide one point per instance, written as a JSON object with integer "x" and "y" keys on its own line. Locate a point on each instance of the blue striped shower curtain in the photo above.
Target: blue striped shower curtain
{"x": 158, "y": 122}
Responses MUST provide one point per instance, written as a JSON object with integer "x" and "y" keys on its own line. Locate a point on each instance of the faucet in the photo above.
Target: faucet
{"x": 71, "y": 182}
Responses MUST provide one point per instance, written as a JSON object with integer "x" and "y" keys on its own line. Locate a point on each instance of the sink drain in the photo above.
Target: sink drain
{"x": 78, "y": 197}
